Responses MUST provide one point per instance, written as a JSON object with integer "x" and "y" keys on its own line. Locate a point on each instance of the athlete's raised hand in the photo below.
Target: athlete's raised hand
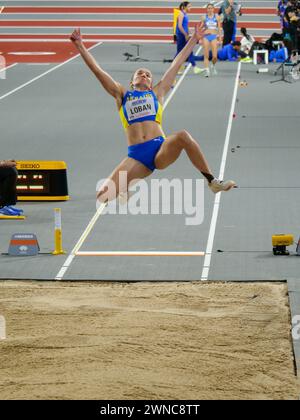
{"x": 76, "y": 37}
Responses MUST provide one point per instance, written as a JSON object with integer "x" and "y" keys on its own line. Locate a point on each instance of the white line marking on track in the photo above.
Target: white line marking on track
{"x": 130, "y": 23}
{"x": 139, "y": 254}
{"x": 9, "y": 67}
{"x": 134, "y": 11}
{"x": 78, "y": 245}
{"x": 31, "y": 53}
{"x": 92, "y": 13}
{"x": 213, "y": 223}
{"x": 43, "y": 74}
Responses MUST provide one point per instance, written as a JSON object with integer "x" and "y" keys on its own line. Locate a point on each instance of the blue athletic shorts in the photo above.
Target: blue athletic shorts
{"x": 210, "y": 37}
{"x": 146, "y": 152}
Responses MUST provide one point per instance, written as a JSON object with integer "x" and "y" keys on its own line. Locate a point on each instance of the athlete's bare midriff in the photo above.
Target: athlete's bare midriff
{"x": 143, "y": 131}
{"x": 211, "y": 32}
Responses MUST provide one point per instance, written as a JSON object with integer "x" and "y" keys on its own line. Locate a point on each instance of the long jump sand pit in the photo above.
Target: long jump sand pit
{"x": 146, "y": 341}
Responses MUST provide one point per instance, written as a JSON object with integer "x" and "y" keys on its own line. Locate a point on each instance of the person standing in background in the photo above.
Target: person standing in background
{"x": 247, "y": 41}
{"x": 229, "y": 10}
{"x": 8, "y": 188}
{"x": 281, "y": 7}
{"x": 211, "y": 38}
{"x": 182, "y": 33}
{"x": 293, "y": 30}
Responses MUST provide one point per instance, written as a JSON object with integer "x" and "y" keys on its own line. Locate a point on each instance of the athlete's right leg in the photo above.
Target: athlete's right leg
{"x": 214, "y": 49}
{"x": 173, "y": 146}
{"x": 180, "y": 43}
{"x": 115, "y": 184}
{"x": 206, "y": 47}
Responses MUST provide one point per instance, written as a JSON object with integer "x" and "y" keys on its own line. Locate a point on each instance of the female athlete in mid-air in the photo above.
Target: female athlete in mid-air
{"x": 140, "y": 110}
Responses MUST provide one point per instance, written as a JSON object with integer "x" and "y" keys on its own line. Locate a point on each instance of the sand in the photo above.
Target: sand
{"x": 146, "y": 341}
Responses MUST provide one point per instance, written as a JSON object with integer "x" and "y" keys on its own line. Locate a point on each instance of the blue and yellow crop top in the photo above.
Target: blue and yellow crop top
{"x": 139, "y": 106}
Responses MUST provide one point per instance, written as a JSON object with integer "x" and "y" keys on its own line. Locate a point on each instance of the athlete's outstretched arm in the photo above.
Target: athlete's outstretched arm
{"x": 114, "y": 88}
{"x": 168, "y": 78}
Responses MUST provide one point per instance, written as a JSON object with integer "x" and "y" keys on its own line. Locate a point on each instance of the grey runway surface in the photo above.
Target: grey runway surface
{"x": 65, "y": 115}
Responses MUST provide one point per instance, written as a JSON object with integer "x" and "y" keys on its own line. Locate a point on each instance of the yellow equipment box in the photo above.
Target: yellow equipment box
{"x": 280, "y": 242}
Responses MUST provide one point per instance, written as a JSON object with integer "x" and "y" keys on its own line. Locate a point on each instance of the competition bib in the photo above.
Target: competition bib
{"x": 142, "y": 107}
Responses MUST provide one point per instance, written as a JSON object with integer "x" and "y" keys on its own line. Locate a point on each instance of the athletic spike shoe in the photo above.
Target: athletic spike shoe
{"x": 214, "y": 70}
{"x": 246, "y": 60}
{"x": 16, "y": 210}
{"x": 6, "y": 211}
{"x": 206, "y": 72}
{"x": 197, "y": 70}
{"x": 217, "y": 186}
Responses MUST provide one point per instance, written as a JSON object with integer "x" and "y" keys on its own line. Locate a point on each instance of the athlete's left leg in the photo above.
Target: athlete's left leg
{"x": 214, "y": 49}
{"x": 172, "y": 148}
{"x": 206, "y": 48}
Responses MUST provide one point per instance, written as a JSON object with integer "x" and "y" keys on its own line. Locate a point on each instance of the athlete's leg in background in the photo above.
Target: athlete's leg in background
{"x": 214, "y": 49}
{"x": 206, "y": 49}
